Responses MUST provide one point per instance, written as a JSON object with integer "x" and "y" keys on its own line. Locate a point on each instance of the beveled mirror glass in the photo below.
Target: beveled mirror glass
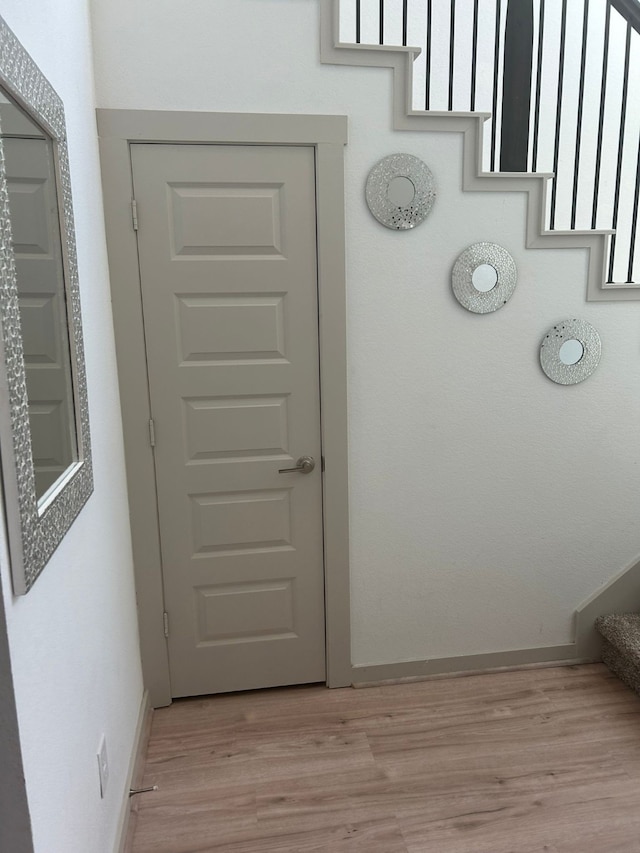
{"x": 484, "y": 278}
{"x": 44, "y": 424}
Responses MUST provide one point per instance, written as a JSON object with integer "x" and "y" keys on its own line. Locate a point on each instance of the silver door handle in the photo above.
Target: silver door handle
{"x": 304, "y": 465}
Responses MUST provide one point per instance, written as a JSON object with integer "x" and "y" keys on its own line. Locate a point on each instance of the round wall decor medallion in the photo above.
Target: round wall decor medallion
{"x": 400, "y": 191}
{"x": 484, "y": 277}
{"x": 570, "y": 351}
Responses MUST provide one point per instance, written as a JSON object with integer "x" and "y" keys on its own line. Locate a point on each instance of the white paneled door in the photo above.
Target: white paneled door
{"x": 227, "y": 245}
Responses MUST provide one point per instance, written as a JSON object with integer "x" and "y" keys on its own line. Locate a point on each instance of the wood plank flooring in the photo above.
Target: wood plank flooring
{"x": 515, "y": 762}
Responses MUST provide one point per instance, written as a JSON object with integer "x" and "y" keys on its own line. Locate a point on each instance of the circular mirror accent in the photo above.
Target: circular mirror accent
{"x": 570, "y": 351}
{"x": 484, "y": 278}
{"x": 400, "y": 191}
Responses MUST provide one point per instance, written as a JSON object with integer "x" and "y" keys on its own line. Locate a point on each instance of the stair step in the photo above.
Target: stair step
{"x": 621, "y": 646}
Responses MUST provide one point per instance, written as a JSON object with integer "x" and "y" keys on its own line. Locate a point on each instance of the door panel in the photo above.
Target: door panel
{"x": 229, "y": 286}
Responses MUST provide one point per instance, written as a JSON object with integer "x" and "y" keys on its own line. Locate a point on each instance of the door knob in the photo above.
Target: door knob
{"x": 304, "y": 465}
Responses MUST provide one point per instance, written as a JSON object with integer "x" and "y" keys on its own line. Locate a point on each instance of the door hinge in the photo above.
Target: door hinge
{"x": 152, "y": 432}
{"x": 134, "y": 213}
{"x": 165, "y": 619}
{"x": 322, "y": 463}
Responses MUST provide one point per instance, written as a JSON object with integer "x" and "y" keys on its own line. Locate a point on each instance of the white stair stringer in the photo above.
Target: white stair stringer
{"x": 400, "y": 60}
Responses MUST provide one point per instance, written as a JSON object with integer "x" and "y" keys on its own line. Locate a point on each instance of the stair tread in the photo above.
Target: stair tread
{"x": 622, "y": 630}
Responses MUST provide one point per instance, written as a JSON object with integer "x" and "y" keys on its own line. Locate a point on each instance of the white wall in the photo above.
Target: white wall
{"x": 15, "y": 822}
{"x": 486, "y": 501}
{"x": 73, "y": 638}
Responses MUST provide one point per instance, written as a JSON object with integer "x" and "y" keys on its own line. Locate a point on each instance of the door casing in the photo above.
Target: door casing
{"x": 327, "y": 134}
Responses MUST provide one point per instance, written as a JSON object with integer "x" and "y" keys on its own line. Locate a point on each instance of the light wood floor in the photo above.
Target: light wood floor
{"x": 537, "y": 760}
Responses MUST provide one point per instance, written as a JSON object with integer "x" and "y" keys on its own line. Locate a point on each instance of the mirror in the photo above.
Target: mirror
{"x": 44, "y": 424}
{"x": 37, "y": 252}
{"x": 571, "y": 352}
{"x": 484, "y": 278}
{"x": 401, "y": 191}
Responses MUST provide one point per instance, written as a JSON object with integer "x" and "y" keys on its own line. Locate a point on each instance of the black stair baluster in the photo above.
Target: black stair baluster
{"x": 623, "y": 119}
{"x": 452, "y": 47}
{"x": 358, "y": 21}
{"x": 474, "y": 55}
{"x": 634, "y": 220}
{"x": 603, "y": 95}
{"x": 427, "y": 92}
{"x": 381, "y": 22}
{"x": 494, "y": 109}
{"x": 556, "y": 143}
{"x": 583, "y": 65}
{"x": 404, "y": 22}
{"x": 536, "y": 114}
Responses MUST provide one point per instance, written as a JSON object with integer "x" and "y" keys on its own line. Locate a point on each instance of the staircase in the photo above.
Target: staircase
{"x": 621, "y": 646}
{"x": 343, "y": 35}
{"x": 587, "y": 193}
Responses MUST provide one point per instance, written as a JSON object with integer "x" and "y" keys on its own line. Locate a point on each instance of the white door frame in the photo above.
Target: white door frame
{"x": 118, "y": 129}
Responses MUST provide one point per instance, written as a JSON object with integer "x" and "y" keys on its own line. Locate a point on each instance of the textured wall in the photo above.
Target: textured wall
{"x": 73, "y": 638}
{"x": 486, "y": 502}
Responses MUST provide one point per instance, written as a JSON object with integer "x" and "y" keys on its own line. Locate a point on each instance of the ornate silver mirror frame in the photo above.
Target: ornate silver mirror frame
{"x": 475, "y": 259}
{"x": 37, "y": 526}
{"x": 414, "y": 200}
{"x": 570, "y": 351}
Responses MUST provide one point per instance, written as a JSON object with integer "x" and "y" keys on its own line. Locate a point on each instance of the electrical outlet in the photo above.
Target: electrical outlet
{"x": 103, "y": 765}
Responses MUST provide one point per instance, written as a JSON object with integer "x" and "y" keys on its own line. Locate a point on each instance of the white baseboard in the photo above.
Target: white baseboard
{"x": 126, "y": 823}
{"x": 466, "y": 664}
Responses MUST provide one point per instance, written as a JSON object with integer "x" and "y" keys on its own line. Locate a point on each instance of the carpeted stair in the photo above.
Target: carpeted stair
{"x": 621, "y": 646}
